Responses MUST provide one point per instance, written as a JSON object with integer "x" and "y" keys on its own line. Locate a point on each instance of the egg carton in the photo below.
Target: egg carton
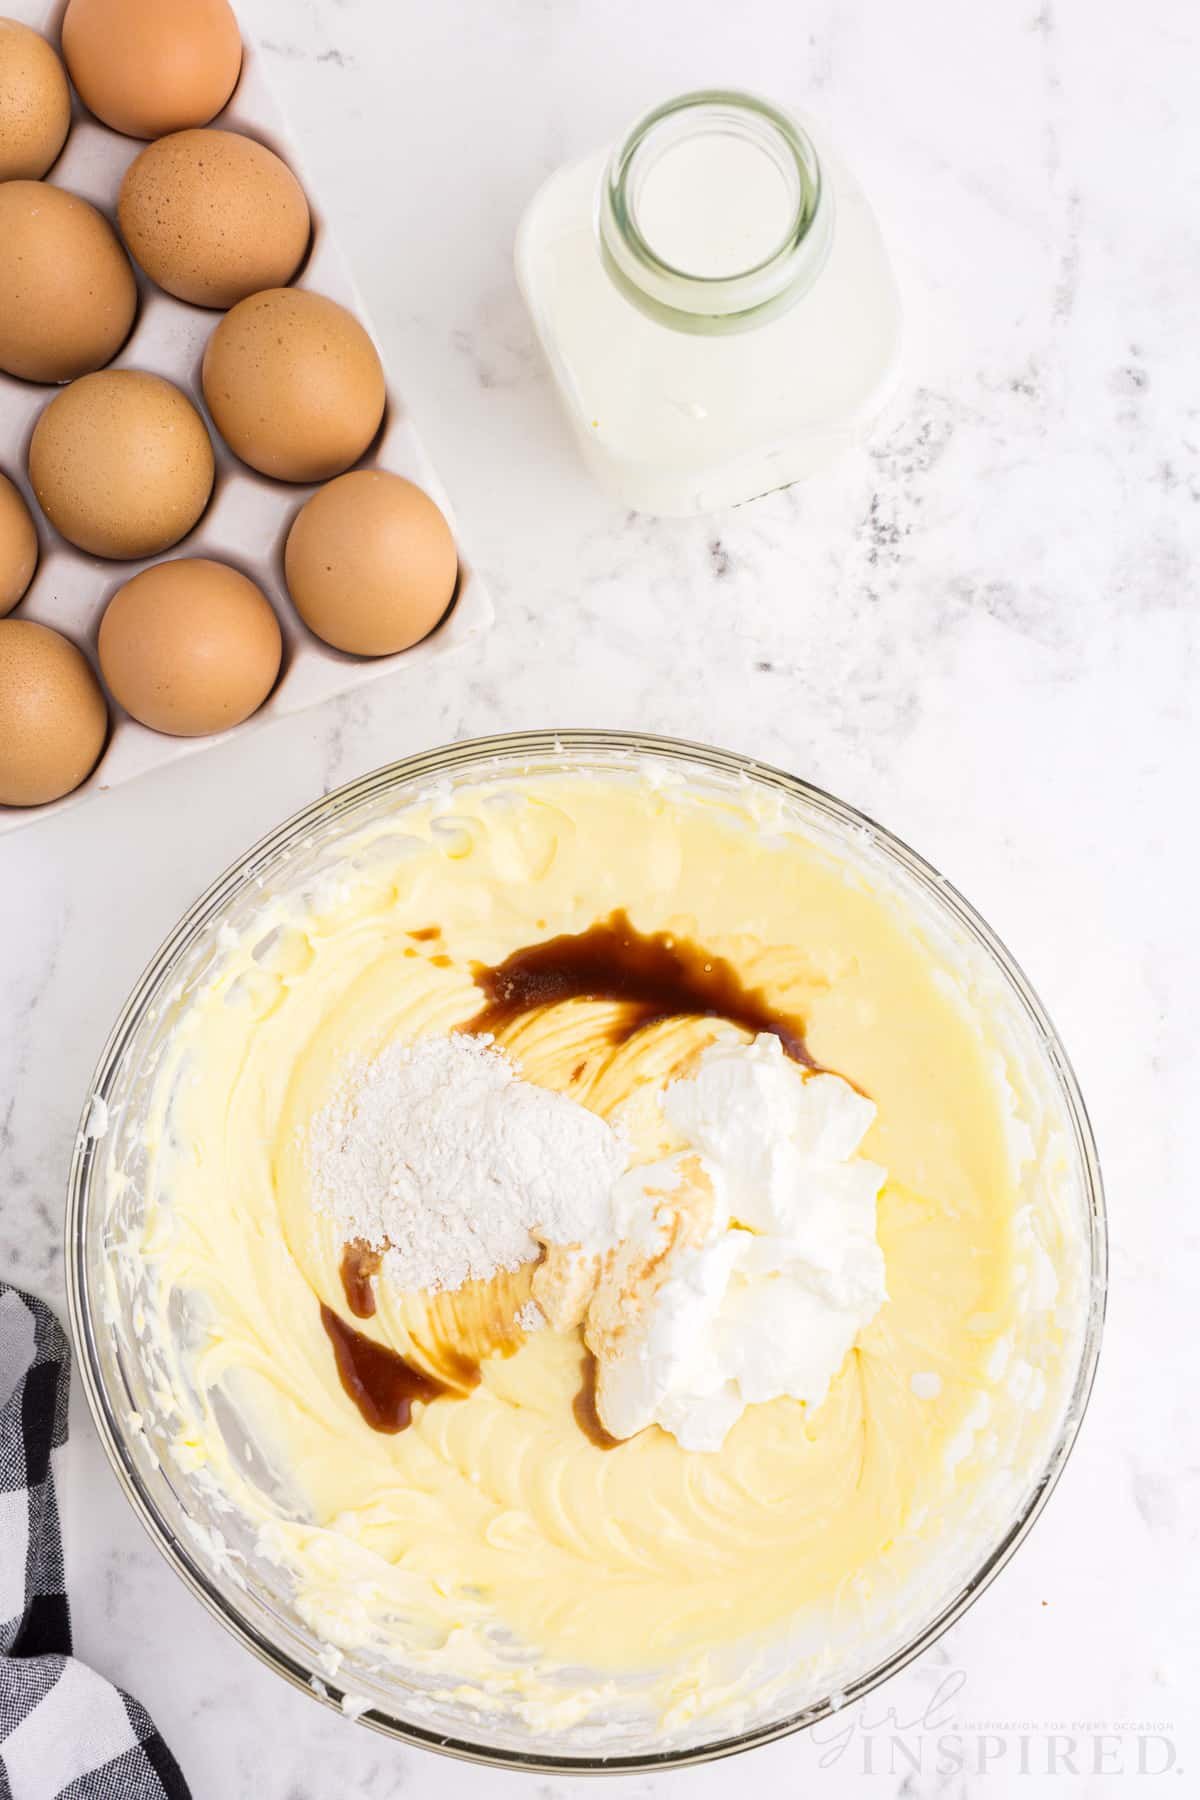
{"x": 248, "y": 517}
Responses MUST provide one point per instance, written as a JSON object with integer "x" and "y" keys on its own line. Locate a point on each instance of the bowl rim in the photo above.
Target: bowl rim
{"x": 502, "y": 748}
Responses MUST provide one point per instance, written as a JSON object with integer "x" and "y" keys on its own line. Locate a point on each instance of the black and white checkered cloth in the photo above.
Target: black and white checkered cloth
{"x": 65, "y": 1733}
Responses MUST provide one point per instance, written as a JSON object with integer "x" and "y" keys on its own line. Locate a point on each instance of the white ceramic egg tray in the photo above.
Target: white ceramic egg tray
{"x": 248, "y": 516}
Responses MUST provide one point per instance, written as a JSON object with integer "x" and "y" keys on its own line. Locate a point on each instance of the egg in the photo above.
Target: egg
{"x": 67, "y": 293}
{"x": 121, "y": 463}
{"x": 294, "y": 384}
{"x": 370, "y": 563}
{"x": 53, "y": 720}
{"x": 190, "y": 647}
{"x": 213, "y": 216}
{"x": 18, "y": 546}
{"x": 147, "y": 67}
{"x": 35, "y": 103}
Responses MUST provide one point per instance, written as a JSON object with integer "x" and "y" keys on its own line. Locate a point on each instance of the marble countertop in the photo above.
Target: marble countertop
{"x": 983, "y": 630}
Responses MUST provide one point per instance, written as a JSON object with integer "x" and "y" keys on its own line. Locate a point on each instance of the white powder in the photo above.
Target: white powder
{"x": 440, "y": 1157}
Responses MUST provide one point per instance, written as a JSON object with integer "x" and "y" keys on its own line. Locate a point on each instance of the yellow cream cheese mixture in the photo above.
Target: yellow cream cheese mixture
{"x": 493, "y": 1542}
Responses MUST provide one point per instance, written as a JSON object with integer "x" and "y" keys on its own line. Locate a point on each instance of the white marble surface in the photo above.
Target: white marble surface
{"x": 983, "y": 631}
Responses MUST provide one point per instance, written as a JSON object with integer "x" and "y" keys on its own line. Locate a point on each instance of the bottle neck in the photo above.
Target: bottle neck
{"x": 713, "y": 215}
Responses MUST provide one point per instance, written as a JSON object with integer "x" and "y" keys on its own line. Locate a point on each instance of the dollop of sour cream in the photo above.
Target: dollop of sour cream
{"x": 747, "y": 1263}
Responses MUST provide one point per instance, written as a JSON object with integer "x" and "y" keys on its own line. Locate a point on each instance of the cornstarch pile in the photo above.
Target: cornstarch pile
{"x": 440, "y": 1157}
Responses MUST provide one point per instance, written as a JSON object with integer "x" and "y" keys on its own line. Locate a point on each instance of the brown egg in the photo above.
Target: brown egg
{"x": 294, "y": 384}
{"x": 370, "y": 563}
{"x": 146, "y": 67}
{"x": 35, "y": 103}
{"x": 190, "y": 647}
{"x": 212, "y": 216}
{"x": 53, "y": 719}
{"x": 121, "y": 463}
{"x": 67, "y": 293}
{"x": 18, "y": 546}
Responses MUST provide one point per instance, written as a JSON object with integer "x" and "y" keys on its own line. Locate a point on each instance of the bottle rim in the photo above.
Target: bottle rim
{"x": 713, "y": 304}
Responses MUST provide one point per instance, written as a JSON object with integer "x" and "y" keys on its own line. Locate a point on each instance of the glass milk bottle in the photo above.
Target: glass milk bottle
{"x": 715, "y": 301}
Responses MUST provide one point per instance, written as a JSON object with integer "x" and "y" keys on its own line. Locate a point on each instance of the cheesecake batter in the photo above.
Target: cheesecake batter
{"x": 494, "y": 1542}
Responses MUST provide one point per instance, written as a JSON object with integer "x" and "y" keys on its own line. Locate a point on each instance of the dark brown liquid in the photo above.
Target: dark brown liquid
{"x": 381, "y": 1384}
{"x": 586, "y": 1416}
{"x": 426, "y": 934}
{"x": 653, "y": 978}
{"x": 359, "y": 1265}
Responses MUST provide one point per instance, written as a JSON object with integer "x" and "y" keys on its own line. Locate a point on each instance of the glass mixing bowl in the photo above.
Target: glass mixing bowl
{"x": 203, "y": 1546}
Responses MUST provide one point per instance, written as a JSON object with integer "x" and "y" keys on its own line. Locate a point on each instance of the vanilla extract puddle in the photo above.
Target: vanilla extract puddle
{"x": 651, "y": 976}
{"x": 358, "y": 1268}
{"x": 381, "y": 1383}
{"x": 585, "y": 1410}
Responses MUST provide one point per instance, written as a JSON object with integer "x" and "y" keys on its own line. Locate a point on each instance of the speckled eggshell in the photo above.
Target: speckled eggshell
{"x": 67, "y": 293}
{"x": 18, "y": 546}
{"x": 121, "y": 463}
{"x": 53, "y": 720}
{"x": 213, "y": 216}
{"x": 370, "y": 563}
{"x": 147, "y": 67}
{"x": 35, "y": 103}
{"x": 294, "y": 384}
{"x": 190, "y": 647}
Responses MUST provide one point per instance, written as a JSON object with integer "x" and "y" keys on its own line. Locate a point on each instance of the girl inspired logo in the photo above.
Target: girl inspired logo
{"x": 935, "y": 1740}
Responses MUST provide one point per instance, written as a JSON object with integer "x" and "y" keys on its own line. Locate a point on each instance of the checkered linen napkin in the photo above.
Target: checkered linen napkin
{"x": 65, "y": 1733}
